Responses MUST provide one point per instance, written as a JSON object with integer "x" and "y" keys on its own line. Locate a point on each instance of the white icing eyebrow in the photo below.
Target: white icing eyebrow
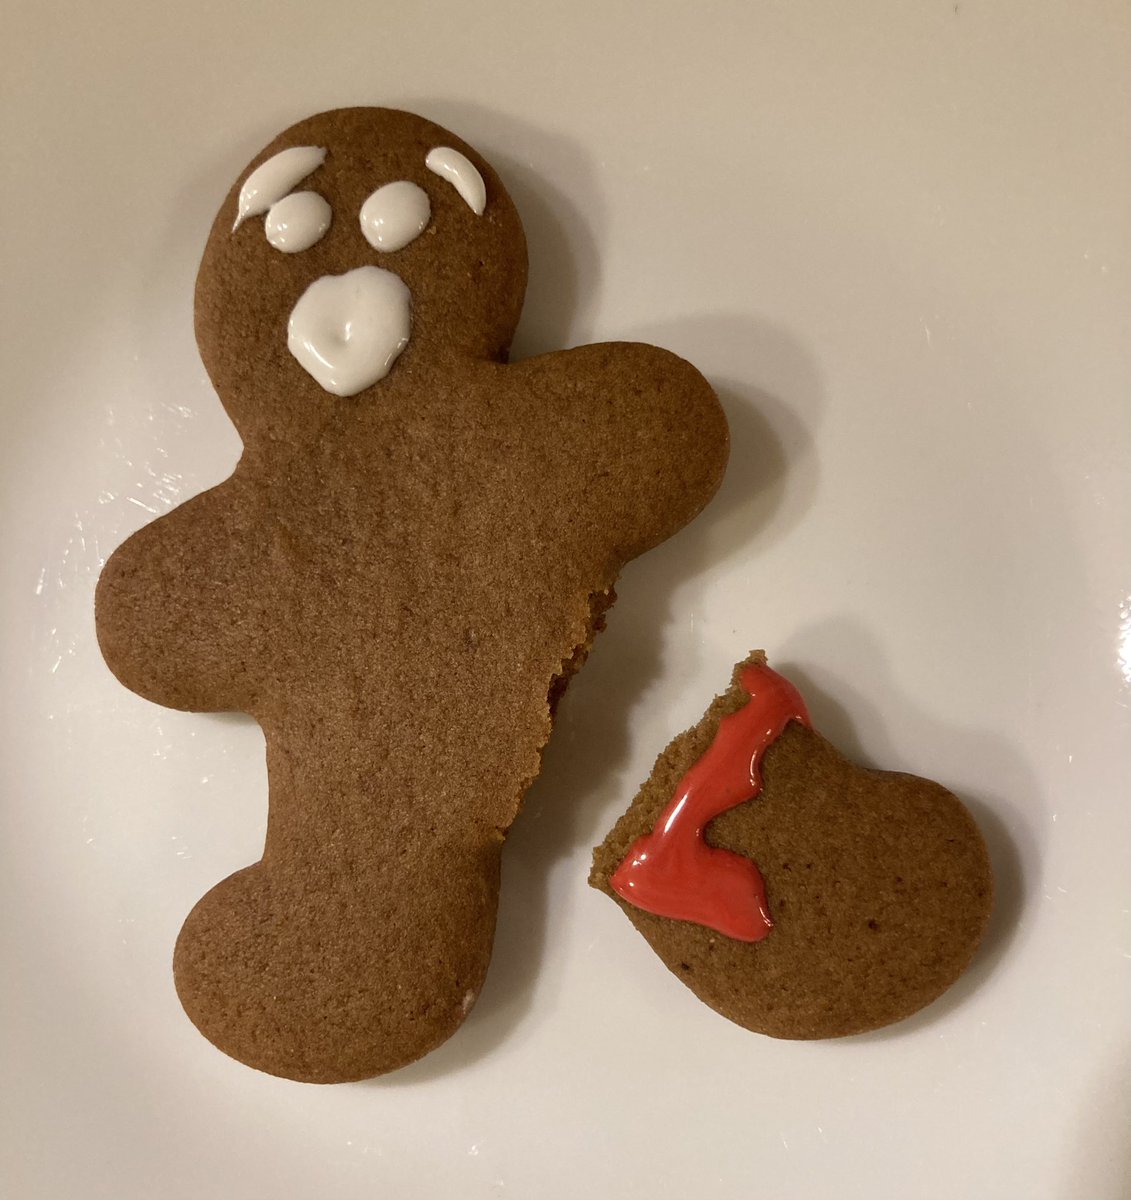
{"x": 272, "y": 180}
{"x": 461, "y": 173}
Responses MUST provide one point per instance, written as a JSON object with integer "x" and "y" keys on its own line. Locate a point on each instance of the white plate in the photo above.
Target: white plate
{"x": 895, "y": 237}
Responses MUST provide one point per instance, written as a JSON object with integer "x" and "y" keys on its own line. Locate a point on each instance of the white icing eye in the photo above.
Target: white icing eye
{"x": 297, "y": 221}
{"x": 272, "y": 180}
{"x": 461, "y": 173}
{"x": 394, "y": 215}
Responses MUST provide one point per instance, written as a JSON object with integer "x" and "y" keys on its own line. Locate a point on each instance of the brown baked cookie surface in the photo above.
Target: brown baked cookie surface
{"x": 396, "y": 581}
{"x": 878, "y": 885}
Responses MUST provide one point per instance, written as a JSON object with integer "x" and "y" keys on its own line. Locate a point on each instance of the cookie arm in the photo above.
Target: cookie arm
{"x": 172, "y": 607}
{"x": 646, "y": 432}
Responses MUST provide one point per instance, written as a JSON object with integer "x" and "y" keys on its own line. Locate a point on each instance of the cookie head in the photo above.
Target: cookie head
{"x": 360, "y": 248}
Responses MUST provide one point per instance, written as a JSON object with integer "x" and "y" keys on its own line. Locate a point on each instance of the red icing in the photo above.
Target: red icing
{"x": 672, "y": 871}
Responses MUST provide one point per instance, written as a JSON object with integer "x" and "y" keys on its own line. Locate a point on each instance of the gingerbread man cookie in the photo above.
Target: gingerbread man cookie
{"x": 410, "y": 559}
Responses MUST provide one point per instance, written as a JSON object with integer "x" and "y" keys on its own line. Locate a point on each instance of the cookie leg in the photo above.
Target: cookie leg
{"x": 879, "y": 883}
{"x": 357, "y": 944}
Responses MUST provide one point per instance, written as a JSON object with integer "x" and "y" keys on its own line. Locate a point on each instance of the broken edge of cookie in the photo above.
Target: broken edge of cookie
{"x": 876, "y": 886}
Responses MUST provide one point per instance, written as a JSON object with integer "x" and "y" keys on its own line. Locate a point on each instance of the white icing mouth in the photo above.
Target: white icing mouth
{"x": 347, "y": 330}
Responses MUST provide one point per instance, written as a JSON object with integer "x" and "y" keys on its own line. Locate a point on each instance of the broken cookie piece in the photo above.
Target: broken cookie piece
{"x": 796, "y": 893}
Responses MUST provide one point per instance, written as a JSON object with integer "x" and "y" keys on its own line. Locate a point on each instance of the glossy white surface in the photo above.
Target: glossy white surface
{"x": 896, "y": 238}
{"x": 394, "y": 215}
{"x": 272, "y": 180}
{"x": 461, "y": 173}
{"x": 297, "y": 221}
{"x": 347, "y": 330}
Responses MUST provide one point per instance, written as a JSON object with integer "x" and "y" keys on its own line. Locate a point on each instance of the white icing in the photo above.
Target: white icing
{"x": 394, "y": 215}
{"x": 347, "y": 330}
{"x": 272, "y": 180}
{"x": 461, "y": 173}
{"x": 297, "y": 221}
